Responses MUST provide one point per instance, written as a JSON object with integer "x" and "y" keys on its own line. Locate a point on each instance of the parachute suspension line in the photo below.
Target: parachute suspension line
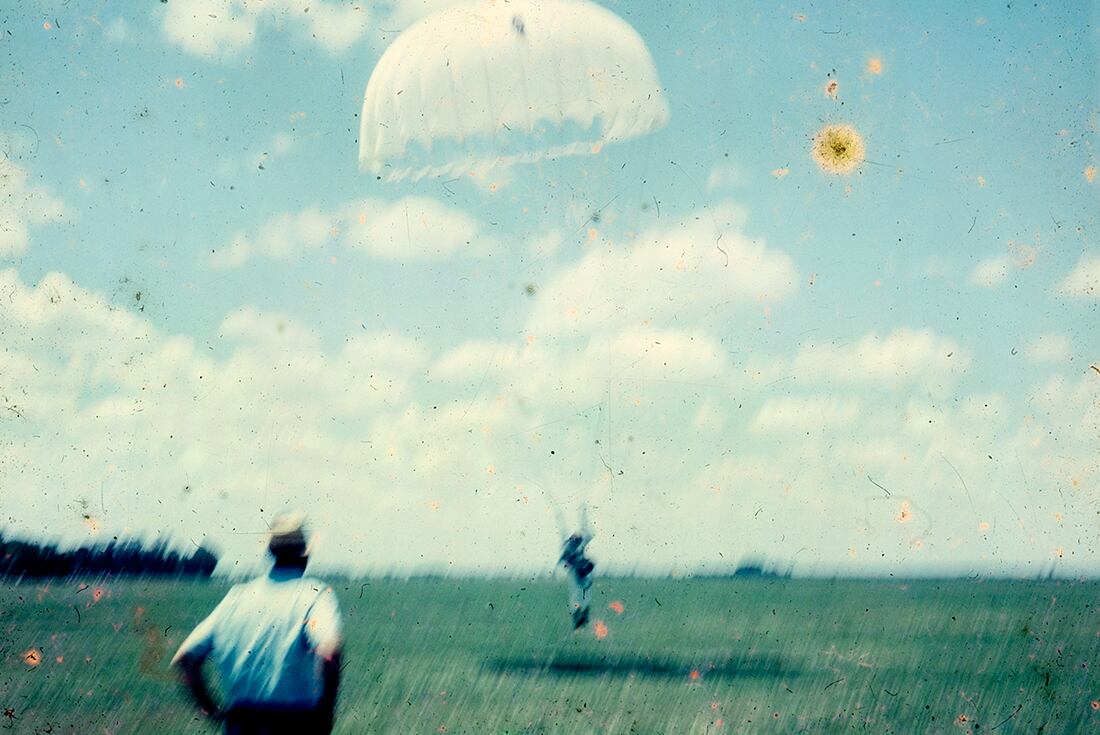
{"x": 555, "y": 506}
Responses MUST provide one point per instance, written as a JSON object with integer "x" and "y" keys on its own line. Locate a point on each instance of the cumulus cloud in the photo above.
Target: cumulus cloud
{"x": 990, "y": 272}
{"x": 403, "y": 13}
{"x": 413, "y": 228}
{"x": 903, "y": 356}
{"x": 403, "y": 450}
{"x": 1084, "y": 280}
{"x": 22, "y": 206}
{"x": 679, "y": 272}
{"x": 1048, "y": 348}
{"x": 224, "y": 28}
{"x": 808, "y": 413}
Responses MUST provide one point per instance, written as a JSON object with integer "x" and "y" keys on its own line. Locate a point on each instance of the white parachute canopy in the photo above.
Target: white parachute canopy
{"x": 498, "y": 83}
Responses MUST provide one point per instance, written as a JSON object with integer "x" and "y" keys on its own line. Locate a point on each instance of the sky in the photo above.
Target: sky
{"x": 210, "y": 313}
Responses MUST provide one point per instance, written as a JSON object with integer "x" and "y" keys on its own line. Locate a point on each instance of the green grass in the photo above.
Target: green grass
{"x": 496, "y": 656}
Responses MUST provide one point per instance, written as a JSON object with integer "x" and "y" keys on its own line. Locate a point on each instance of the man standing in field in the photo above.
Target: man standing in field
{"x": 277, "y": 642}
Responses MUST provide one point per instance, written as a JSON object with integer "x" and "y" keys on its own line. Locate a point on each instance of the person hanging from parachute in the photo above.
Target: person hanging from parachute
{"x": 579, "y": 568}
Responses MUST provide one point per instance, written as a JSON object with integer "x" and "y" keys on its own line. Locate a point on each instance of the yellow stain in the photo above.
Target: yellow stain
{"x": 838, "y": 149}
{"x": 780, "y": 172}
{"x": 874, "y": 66}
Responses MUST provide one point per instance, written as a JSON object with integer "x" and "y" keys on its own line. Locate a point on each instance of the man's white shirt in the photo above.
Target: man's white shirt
{"x": 268, "y": 638}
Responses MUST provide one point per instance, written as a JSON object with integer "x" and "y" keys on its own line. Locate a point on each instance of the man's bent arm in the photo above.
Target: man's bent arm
{"x": 190, "y": 667}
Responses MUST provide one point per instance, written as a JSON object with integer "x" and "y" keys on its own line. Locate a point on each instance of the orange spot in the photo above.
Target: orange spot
{"x": 983, "y": 526}
{"x": 434, "y": 505}
{"x": 1095, "y": 704}
{"x": 714, "y": 705}
{"x": 962, "y": 719}
{"x": 491, "y": 470}
{"x": 1090, "y": 174}
{"x": 981, "y": 181}
{"x": 874, "y": 66}
{"x": 32, "y": 657}
{"x": 905, "y": 515}
{"x": 596, "y": 148}
{"x": 600, "y": 630}
{"x": 60, "y": 659}
{"x": 92, "y": 524}
{"x": 780, "y": 172}
{"x": 831, "y": 88}
{"x": 617, "y": 607}
{"x": 97, "y": 594}
{"x": 694, "y": 675}
{"x": 719, "y": 722}
{"x": 801, "y": 18}
{"x": 46, "y": 26}
{"x": 179, "y": 83}
{"x": 592, "y": 233}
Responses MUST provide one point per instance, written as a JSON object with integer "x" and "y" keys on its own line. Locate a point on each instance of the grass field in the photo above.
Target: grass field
{"x": 682, "y": 656}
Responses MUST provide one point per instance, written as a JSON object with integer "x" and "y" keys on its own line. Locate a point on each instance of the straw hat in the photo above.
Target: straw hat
{"x": 288, "y": 534}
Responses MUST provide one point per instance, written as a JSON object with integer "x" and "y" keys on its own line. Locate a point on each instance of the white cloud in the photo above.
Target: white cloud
{"x": 22, "y": 206}
{"x": 209, "y": 28}
{"x": 727, "y": 176}
{"x": 902, "y": 356}
{"x": 413, "y": 228}
{"x": 403, "y": 13}
{"x": 990, "y": 272}
{"x": 1084, "y": 280}
{"x": 1048, "y": 348}
{"x": 402, "y": 450}
{"x": 224, "y": 28}
{"x": 810, "y": 413}
{"x": 285, "y": 237}
{"x": 118, "y": 30}
{"x": 675, "y": 273}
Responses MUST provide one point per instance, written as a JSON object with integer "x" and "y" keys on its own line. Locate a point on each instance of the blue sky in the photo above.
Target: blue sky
{"x": 927, "y": 322}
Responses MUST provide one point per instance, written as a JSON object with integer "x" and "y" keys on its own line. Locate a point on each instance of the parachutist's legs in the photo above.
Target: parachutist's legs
{"x": 579, "y": 599}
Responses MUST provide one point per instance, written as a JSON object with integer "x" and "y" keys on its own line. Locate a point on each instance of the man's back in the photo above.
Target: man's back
{"x": 269, "y": 638}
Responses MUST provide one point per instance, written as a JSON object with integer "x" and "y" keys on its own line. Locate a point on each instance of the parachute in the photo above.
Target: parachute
{"x": 494, "y": 84}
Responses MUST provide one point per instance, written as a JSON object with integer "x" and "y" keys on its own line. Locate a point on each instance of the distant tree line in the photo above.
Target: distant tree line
{"x": 119, "y": 558}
